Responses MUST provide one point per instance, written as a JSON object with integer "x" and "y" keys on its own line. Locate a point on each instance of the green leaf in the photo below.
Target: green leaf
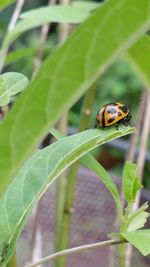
{"x": 138, "y": 221}
{"x": 43, "y": 15}
{"x": 19, "y": 54}
{"x": 11, "y": 83}
{"x": 91, "y": 163}
{"x": 130, "y": 182}
{"x": 139, "y": 239}
{"x": 137, "y": 57}
{"x": 5, "y": 3}
{"x": 56, "y": 13}
{"x": 39, "y": 172}
{"x": 65, "y": 76}
{"x": 87, "y": 5}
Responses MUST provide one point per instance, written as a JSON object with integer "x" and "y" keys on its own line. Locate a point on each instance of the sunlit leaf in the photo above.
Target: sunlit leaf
{"x": 39, "y": 172}
{"x": 11, "y": 83}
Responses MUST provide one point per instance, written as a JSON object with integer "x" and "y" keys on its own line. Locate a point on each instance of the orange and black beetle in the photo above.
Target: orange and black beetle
{"x": 112, "y": 113}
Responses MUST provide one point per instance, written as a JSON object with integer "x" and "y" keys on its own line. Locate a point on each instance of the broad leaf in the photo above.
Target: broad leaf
{"x": 137, "y": 57}
{"x": 130, "y": 182}
{"x": 66, "y": 75}
{"x": 139, "y": 239}
{"x": 11, "y": 83}
{"x": 39, "y": 172}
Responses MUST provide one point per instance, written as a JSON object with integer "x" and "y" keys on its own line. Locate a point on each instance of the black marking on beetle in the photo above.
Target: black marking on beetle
{"x": 111, "y": 120}
{"x": 119, "y": 113}
{"x": 112, "y": 104}
{"x": 103, "y": 117}
{"x": 124, "y": 109}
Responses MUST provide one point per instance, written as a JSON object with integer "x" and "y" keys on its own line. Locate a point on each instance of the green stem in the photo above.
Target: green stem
{"x": 122, "y": 247}
{"x": 123, "y": 228}
{"x": 64, "y": 226}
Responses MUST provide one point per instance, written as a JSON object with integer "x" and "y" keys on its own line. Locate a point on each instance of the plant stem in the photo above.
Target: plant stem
{"x": 62, "y": 125}
{"x": 122, "y": 247}
{"x": 77, "y": 250}
{"x": 63, "y": 238}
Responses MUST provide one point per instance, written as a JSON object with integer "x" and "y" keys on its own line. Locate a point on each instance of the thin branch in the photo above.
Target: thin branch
{"x": 134, "y": 137}
{"x": 11, "y": 26}
{"x": 15, "y": 15}
{"x": 78, "y": 249}
{"x": 42, "y": 40}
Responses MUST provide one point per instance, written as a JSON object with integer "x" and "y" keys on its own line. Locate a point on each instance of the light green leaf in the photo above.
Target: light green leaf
{"x": 11, "y": 83}
{"x": 56, "y": 13}
{"x": 138, "y": 221}
{"x": 139, "y": 239}
{"x": 87, "y": 5}
{"x": 66, "y": 75}
{"x": 39, "y": 172}
{"x": 5, "y": 3}
{"x": 137, "y": 57}
{"x": 43, "y": 15}
{"x": 130, "y": 182}
{"x": 20, "y": 54}
{"x": 90, "y": 162}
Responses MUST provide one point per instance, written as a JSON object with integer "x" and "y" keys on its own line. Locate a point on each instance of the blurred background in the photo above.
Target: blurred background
{"x": 93, "y": 213}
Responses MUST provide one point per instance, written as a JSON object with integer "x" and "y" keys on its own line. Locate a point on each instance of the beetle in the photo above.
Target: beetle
{"x": 113, "y": 113}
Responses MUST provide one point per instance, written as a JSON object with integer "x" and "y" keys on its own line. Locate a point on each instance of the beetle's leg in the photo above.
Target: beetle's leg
{"x": 117, "y": 126}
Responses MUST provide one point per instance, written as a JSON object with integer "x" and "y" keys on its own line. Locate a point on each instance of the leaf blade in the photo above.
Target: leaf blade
{"x": 39, "y": 172}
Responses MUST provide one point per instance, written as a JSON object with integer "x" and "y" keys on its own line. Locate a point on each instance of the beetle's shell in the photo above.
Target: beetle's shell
{"x": 110, "y": 114}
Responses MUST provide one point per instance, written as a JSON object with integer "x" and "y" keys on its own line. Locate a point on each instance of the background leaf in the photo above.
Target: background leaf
{"x": 39, "y": 172}
{"x": 43, "y": 15}
{"x": 5, "y": 3}
{"x": 137, "y": 57}
{"x": 11, "y": 83}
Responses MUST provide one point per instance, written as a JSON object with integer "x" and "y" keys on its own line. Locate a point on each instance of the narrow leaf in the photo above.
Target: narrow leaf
{"x": 43, "y": 15}
{"x": 130, "y": 182}
{"x": 11, "y": 83}
{"x": 91, "y": 163}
